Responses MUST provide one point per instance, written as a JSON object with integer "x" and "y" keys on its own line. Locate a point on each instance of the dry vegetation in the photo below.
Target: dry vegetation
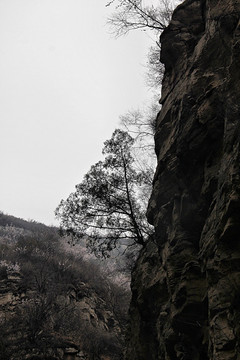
{"x": 56, "y": 299}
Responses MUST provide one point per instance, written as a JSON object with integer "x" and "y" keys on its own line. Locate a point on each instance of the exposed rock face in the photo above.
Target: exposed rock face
{"x": 21, "y": 313}
{"x": 186, "y": 284}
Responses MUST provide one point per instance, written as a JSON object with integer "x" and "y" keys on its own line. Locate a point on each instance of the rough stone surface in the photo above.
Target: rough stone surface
{"x": 89, "y": 308}
{"x": 186, "y": 284}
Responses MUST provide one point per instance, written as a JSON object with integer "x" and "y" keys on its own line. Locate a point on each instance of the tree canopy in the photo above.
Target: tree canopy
{"x": 107, "y": 205}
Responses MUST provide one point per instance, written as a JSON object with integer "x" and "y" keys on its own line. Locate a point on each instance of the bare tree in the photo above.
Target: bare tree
{"x": 155, "y": 69}
{"x": 134, "y": 14}
{"x": 141, "y": 124}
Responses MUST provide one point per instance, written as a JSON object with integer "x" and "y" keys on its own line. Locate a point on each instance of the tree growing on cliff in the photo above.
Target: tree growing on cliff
{"x": 141, "y": 125}
{"x": 135, "y": 15}
{"x": 106, "y": 205}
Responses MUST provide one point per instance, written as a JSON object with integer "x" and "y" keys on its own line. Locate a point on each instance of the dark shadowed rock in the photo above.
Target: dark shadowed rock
{"x": 186, "y": 284}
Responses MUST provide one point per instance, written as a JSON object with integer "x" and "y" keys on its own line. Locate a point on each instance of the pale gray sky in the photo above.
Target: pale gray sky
{"x": 64, "y": 82}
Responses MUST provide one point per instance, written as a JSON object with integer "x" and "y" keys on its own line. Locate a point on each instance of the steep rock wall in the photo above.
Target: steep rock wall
{"x": 186, "y": 283}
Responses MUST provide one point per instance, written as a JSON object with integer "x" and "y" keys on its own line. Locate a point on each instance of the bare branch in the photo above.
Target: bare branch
{"x": 132, "y": 15}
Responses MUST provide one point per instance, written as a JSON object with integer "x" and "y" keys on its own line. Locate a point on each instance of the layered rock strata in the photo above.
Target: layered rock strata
{"x": 186, "y": 283}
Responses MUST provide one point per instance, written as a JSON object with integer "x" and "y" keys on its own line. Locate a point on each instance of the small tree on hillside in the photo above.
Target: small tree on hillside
{"x": 107, "y": 205}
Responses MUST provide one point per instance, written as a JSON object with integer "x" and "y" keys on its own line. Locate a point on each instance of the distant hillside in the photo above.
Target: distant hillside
{"x": 23, "y": 224}
{"x": 55, "y": 304}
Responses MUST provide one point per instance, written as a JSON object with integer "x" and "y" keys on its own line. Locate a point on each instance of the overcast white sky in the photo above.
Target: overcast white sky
{"x": 64, "y": 82}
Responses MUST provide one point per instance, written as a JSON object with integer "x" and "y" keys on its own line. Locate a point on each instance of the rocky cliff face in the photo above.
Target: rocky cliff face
{"x": 186, "y": 284}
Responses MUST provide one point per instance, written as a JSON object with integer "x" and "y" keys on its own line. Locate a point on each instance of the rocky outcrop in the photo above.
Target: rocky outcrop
{"x": 186, "y": 283}
{"x": 75, "y": 325}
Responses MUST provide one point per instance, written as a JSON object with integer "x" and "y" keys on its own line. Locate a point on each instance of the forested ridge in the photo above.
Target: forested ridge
{"x": 53, "y": 301}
